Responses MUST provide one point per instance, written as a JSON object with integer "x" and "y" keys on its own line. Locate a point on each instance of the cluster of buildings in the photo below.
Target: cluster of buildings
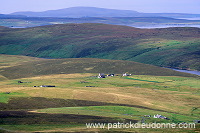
{"x": 160, "y": 117}
{"x": 157, "y": 116}
{"x": 102, "y": 75}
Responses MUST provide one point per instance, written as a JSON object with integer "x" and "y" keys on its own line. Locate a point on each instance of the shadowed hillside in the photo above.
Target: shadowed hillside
{"x": 31, "y": 67}
{"x": 170, "y": 47}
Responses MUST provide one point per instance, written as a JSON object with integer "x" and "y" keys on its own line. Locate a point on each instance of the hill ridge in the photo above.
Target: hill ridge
{"x": 82, "y": 11}
{"x": 36, "y": 67}
{"x": 169, "y": 47}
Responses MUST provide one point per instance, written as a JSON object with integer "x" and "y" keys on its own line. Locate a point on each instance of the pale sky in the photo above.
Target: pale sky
{"x": 146, "y": 6}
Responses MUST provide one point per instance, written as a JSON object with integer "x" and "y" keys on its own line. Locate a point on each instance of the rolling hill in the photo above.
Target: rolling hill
{"x": 79, "y": 97}
{"x": 77, "y": 12}
{"x": 169, "y": 47}
{"x": 99, "y": 15}
{"x": 14, "y": 67}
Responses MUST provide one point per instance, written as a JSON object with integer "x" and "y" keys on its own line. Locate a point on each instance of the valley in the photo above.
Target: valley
{"x": 79, "y": 97}
{"x": 69, "y": 68}
{"x": 49, "y": 78}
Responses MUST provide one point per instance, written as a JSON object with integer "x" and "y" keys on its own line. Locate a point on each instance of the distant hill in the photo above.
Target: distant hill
{"x": 76, "y": 12}
{"x": 30, "y": 67}
{"x": 169, "y": 47}
{"x": 5, "y": 16}
{"x": 99, "y": 15}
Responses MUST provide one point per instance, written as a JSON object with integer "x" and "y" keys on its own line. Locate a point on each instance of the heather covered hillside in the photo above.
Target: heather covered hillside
{"x": 13, "y": 67}
{"x": 169, "y": 47}
{"x": 62, "y": 95}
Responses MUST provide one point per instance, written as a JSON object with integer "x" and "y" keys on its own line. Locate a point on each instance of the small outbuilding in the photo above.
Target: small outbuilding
{"x": 126, "y": 74}
{"x": 160, "y": 117}
{"x": 47, "y": 86}
{"x": 110, "y": 75}
{"x": 196, "y": 121}
{"x": 101, "y": 75}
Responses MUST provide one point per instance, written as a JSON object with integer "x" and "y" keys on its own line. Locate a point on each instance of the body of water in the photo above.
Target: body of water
{"x": 187, "y": 71}
{"x": 194, "y": 18}
{"x": 165, "y": 26}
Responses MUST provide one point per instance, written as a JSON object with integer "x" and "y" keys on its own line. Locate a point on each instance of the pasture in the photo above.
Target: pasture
{"x": 80, "y": 97}
{"x": 108, "y": 100}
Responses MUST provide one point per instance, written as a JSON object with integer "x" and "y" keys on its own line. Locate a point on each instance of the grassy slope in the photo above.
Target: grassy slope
{"x": 10, "y": 60}
{"x": 173, "y": 47}
{"x": 112, "y": 99}
{"x": 13, "y": 67}
{"x": 175, "y": 94}
{"x": 119, "y": 112}
{"x": 138, "y": 95}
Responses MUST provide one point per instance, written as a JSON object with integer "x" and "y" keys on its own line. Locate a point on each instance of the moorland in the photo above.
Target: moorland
{"x": 79, "y": 97}
{"x": 49, "y": 66}
{"x": 167, "y": 47}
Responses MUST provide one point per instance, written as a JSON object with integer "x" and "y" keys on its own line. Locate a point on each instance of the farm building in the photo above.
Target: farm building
{"x": 101, "y": 75}
{"x": 160, "y": 117}
{"x": 126, "y": 74}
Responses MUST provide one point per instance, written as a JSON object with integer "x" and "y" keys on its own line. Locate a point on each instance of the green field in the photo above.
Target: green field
{"x": 81, "y": 97}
